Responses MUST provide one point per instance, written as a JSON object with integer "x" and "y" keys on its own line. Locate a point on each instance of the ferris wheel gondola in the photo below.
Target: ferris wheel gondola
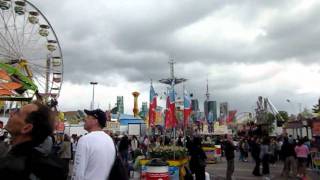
{"x": 31, "y": 61}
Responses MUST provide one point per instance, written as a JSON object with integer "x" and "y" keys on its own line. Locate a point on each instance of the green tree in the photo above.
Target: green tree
{"x": 284, "y": 115}
{"x": 316, "y": 108}
{"x": 306, "y": 113}
{"x": 270, "y": 120}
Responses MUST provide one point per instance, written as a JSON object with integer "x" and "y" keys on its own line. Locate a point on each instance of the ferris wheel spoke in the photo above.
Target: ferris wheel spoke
{"x": 5, "y": 55}
{"x": 9, "y": 33}
{"x": 43, "y": 83}
{"x": 38, "y": 65}
{"x": 34, "y": 53}
{"x": 25, "y": 22}
{"x": 4, "y": 48}
{"x": 35, "y": 42}
{"x": 39, "y": 72}
{"x": 16, "y": 30}
{"x": 29, "y": 37}
{"x": 5, "y": 41}
{"x": 9, "y": 45}
{"x": 39, "y": 82}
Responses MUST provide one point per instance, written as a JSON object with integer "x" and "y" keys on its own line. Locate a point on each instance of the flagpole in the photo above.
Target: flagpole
{"x": 174, "y": 128}
{"x": 184, "y": 123}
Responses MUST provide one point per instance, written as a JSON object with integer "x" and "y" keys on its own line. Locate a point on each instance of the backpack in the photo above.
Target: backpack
{"x": 118, "y": 170}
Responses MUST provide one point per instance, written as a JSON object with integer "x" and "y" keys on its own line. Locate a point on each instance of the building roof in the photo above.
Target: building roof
{"x": 126, "y": 119}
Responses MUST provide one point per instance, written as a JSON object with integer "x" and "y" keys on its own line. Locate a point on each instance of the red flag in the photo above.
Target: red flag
{"x": 168, "y": 114}
{"x": 231, "y": 116}
{"x": 152, "y": 107}
{"x": 172, "y": 107}
{"x": 187, "y": 108}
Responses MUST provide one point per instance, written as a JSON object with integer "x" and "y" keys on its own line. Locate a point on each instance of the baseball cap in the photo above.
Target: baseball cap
{"x": 99, "y": 115}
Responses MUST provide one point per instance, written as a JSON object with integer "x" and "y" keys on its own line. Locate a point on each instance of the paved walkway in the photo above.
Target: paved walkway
{"x": 243, "y": 171}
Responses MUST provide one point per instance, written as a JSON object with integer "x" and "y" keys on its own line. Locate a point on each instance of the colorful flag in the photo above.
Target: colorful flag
{"x": 231, "y": 116}
{"x": 167, "y": 119}
{"x": 170, "y": 113}
{"x": 172, "y": 108}
{"x": 186, "y": 108}
{"x": 152, "y": 106}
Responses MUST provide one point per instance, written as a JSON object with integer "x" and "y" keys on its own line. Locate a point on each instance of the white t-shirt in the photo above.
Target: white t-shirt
{"x": 94, "y": 157}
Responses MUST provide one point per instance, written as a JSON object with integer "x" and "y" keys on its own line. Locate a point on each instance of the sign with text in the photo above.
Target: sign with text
{"x": 113, "y": 126}
{"x": 134, "y": 129}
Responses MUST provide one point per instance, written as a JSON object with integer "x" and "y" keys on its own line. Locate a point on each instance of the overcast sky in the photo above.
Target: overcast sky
{"x": 246, "y": 48}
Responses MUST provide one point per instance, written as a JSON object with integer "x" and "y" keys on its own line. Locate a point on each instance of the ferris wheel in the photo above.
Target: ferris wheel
{"x": 31, "y": 61}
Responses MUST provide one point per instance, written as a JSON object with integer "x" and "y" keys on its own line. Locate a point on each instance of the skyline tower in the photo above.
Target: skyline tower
{"x": 120, "y": 105}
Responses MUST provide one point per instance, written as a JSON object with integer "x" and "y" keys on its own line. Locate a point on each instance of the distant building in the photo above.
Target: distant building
{"x": 195, "y": 105}
{"x": 224, "y": 110}
{"x": 144, "y": 106}
{"x": 144, "y": 110}
{"x": 120, "y": 106}
{"x": 210, "y": 110}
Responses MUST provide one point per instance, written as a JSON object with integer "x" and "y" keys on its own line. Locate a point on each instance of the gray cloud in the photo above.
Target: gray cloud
{"x": 133, "y": 40}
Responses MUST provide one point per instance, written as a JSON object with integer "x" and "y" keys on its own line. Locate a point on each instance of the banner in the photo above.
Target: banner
{"x": 152, "y": 107}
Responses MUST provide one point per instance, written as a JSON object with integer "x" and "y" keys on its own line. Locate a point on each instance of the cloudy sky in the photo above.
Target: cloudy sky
{"x": 246, "y": 48}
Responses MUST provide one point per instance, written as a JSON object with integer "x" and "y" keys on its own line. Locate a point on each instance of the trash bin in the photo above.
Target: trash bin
{"x": 157, "y": 170}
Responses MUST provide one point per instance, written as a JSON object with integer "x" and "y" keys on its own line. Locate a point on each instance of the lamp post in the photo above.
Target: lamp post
{"x": 92, "y": 102}
{"x": 298, "y": 104}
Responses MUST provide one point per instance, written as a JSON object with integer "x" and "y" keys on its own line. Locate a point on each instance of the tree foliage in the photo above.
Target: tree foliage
{"x": 284, "y": 115}
{"x": 316, "y": 108}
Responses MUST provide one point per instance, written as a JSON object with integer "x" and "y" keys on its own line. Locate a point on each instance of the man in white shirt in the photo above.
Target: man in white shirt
{"x": 95, "y": 153}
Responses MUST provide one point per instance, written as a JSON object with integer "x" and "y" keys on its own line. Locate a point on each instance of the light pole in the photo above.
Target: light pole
{"x": 92, "y": 102}
{"x": 299, "y": 105}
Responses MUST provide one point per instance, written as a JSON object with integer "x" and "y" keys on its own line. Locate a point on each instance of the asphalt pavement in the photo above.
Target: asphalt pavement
{"x": 243, "y": 171}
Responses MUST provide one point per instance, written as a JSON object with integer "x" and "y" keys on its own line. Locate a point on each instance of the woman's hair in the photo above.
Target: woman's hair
{"x": 197, "y": 141}
{"x": 300, "y": 142}
{"x": 266, "y": 141}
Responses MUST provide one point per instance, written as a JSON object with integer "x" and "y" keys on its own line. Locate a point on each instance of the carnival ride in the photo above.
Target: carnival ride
{"x": 31, "y": 61}
{"x": 265, "y": 106}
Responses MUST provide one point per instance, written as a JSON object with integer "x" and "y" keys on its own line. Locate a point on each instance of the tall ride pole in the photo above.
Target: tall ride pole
{"x": 172, "y": 81}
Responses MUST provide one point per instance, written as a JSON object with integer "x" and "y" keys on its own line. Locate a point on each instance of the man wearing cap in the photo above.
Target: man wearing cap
{"x": 95, "y": 152}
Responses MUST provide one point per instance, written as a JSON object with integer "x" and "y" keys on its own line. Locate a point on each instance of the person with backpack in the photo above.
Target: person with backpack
{"x": 96, "y": 153}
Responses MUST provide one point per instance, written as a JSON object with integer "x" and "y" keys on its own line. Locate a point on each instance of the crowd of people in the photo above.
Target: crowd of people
{"x": 295, "y": 154}
{"x": 30, "y": 150}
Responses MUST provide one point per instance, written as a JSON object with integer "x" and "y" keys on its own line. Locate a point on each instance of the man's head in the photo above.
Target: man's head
{"x": 95, "y": 119}
{"x": 30, "y": 122}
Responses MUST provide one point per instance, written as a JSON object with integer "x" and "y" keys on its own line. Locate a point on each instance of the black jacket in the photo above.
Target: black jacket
{"x": 198, "y": 158}
{"x": 23, "y": 162}
{"x": 229, "y": 150}
{"x": 287, "y": 150}
{"x": 255, "y": 150}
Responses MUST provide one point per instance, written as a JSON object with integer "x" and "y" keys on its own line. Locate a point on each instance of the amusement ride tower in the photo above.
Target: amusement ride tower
{"x": 172, "y": 80}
